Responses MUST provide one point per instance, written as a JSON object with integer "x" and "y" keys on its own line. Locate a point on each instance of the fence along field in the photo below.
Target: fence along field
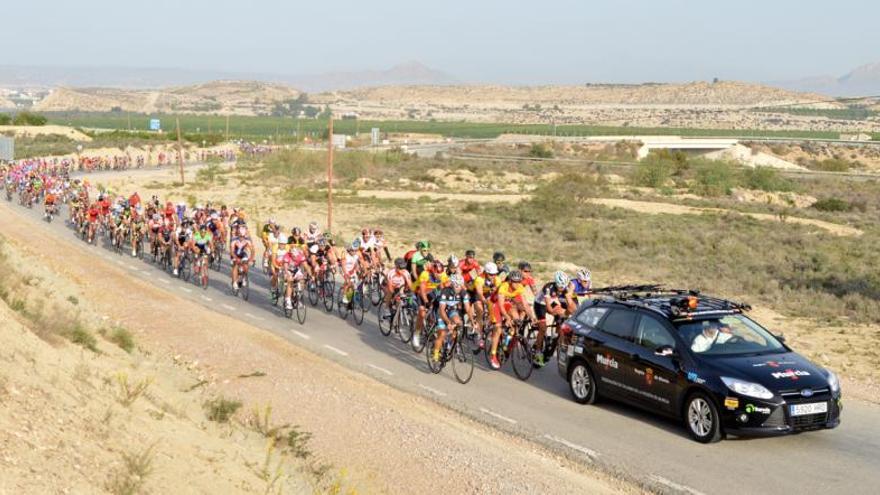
{"x": 286, "y": 129}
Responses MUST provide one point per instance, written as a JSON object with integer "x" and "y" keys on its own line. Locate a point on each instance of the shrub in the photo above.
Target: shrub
{"x": 81, "y": 336}
{"x": 129, "y": 479}
{"x": 832, "y": 204}
{"x": 830, "y": 165}
{"x": 765, "y": 179}
{"x": 5, "y": 119}
{"x": 221, "y": 409}
{"x": 713, "y": 178}
{"x": 653, "y": 173}
{"x": 27, "y": 118}
{"x": 122, "y": 338}
{"x": 541, "y": 150}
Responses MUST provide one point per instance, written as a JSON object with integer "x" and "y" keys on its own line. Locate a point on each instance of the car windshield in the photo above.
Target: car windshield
{"x": 731, "y": 334}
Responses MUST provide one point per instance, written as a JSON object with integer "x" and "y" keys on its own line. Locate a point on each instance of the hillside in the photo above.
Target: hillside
{"x": 696, "y": 93}
{"x": 225, "y": 97}
{"x": 861, "y": 81}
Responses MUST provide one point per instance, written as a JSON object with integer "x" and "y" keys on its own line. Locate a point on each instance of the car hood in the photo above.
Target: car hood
{"x": 777, "y": 372}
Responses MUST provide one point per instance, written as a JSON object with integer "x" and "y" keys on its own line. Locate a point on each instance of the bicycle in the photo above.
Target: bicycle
{"x": 244, "y": 287}
{"x": 514, "y": 346}
{"x": 356, "y": 302}
{"x": 375, "y": 284}
{"x": 428, "y": 329}
{"x": 200, "y": 269}
{"x": 216, "y": 260}
{"x": 184, "y": 269}
{"x": 455, "y": 348}
{"x": 297, "y": 302}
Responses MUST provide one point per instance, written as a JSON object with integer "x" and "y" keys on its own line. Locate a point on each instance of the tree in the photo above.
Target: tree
{"x": 5, "y": 119}
{"x": 27, "y": 118}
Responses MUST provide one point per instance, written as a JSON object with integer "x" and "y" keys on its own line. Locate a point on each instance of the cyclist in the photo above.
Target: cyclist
{"x": 240, "y": 252}
{"x": 153, "y": 227}
{"x": 420, "y": 257}
{"x": 202, "y": 240}
{"x": 295, "y": 267}
{"x": 582, "y": 286}
{"x": 508, "y": 306}
{"x": 49, "y": 203}
{"x": 498, "y": 258}
{"x": 397, "y": 280}
{"x": 450, "y": 302}
{"x": 351, "y": 265}
{"x": 182, "y": 237}
{"x": 279, "y": 247}
{"x": 425, "y": 288}
{"x": 553, "y": 300}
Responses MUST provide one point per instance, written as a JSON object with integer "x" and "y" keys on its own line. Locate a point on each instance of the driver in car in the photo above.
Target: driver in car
{"x": 714, "y": 332}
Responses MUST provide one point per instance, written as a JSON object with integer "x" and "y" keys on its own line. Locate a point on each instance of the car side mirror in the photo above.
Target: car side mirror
{"x": 780, "y": 338}
{"x": 665, "y": 351}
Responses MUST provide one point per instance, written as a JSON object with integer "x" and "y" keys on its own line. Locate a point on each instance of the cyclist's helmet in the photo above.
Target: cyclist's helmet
{"x": 491, "y": 268}
{"x": 313, "y": 226}
{"x": 524, "y": 266}
{"x": 314, "y": 249}
{"x": 203, "y": 226}
{"x": 584, "y": 275}
{"x": 457, "y": 280}
{"x": 356, "y": 244}
{"x": 271, "y": 222}
{"x": 470, "y": 253}
{"x": 400, "y": 263}
{"x": 353, "y": 247}
{"x": 296, "y": 231}
{"x": 560, "y": 278}
{"x": 515, "y": 276}
{"x": 452, "y": 260}
{"x": 437, "y": 266}
{"x": 423, "y": 245}
{"x": 498, "y": 257}
{"x": 378, "y": 233}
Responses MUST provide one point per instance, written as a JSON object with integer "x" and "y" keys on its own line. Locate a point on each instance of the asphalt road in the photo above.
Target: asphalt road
{"x": 654, "y": 452}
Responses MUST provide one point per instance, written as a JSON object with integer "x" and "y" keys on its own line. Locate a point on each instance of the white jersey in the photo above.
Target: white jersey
{"x": 350, "y": 262}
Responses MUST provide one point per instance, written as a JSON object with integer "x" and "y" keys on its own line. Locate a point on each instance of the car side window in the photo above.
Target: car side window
{"x": 652, "y": 333}
{"x": 619, "y": 323}
{"x": 590, "y": 317}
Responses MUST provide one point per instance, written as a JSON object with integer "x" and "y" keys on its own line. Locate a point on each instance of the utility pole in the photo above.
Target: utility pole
{"x": 179, "y": 151}
{"x": 330, "y": 176}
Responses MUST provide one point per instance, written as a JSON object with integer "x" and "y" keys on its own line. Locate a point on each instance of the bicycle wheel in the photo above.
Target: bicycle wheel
{"x": 245, "y": 289}
{"x": 312, "y": 289}
{"x": 404, "y": 323}
{"x": 342, "y": 307}
{"x": 300, "y": 305}
{"x": 359, "y": 305}
{"x": 418, "y": 344}
{"x": 385, "y": 317}
{"x": 521, "y": 358}
{"x": 204, "y": 271}
{"x": 186, "y": 268}
{"x": 327, "y": 294}
{"x": 462, "y": 360}
{"x": 376, "y": 290}
{"x": 434, "y": 366}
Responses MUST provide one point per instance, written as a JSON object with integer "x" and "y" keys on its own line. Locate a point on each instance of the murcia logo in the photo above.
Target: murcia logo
{"x": 649, "y": 376}
{"x": 793, "y": 374}
{"x": 607, "y": 361}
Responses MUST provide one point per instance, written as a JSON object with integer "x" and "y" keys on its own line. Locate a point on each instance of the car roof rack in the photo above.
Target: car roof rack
{"x": 671, "y": 303}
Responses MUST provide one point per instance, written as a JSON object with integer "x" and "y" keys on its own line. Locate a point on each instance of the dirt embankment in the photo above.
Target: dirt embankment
{"x": 375, "y": 437}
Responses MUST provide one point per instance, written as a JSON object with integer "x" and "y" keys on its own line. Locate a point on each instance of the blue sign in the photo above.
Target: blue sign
{"x": 155, "y": 125}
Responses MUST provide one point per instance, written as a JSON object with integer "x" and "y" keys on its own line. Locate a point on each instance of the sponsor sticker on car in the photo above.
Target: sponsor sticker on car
{"x": 810, "y": 408}
{"x": 790, "y": 373}
{"x": 607, "y": 361}
{"x": 751, "y": 408}
{"x": 731, "y": 402}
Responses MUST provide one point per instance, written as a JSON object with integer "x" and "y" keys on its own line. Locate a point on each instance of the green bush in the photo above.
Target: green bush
{"x": 541, "y": 150}
{"x": 27, "y": 118}
{"x": 5, "y": 119}
{"x": 221, "y": 409}
{"x": 122, "y": 338}
{"x": 832, "y": 205}
{"x": 653, "y": 173}
{"x": 713, "y": 178}
{"x": 765, "y": 179}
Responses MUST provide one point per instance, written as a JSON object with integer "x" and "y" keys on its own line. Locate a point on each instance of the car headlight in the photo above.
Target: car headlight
{"x": 833, "y": 381}
{"x": 748, "y": 389}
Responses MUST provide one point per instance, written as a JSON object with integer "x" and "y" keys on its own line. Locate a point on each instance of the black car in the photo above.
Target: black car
{"x": 695, "y": 358}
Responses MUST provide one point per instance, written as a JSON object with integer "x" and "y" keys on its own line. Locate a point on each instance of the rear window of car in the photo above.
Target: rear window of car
{"x": 619, "y": 323}
{"x": 591, "y": 316}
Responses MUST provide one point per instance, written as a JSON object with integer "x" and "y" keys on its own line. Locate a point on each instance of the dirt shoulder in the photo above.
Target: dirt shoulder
{"x": 376, "y": 437}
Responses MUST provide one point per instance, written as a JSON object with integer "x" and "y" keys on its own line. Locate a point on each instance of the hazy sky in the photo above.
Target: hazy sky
{"x": 552, "y": 41}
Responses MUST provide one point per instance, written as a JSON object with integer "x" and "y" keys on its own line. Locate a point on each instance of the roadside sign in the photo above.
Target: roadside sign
{"x": 155, "y": 125}
{"x": 7, "y": 148}
{"x": 339, "y": 141}
{"x": 374, "y": 136}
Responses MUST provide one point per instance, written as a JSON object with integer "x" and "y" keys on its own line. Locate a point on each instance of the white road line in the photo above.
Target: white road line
{"x": 497, "y": 416}
{"x": 206, "y": 298}
{"x": 337, "y": 351}
{"x": 301, "y": 335}
{"x": 432, "y": 390}
{"x": 146, "y": 274}
{"x": 166, "y": 282}
{"x": 675, "y": 486}
{"x": 120, "y": 263}
{"x": 383, "y": 370}
{"x": 132, "y": 267}
{"x": 592, "y": 454}
{"x": 185, "y": 289}
{"x": 253, "y": 316}
{"x": 230, "y": 308}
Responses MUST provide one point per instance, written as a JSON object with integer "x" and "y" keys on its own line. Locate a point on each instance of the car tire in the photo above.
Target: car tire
{"x": 701, "y": 418}
{"x": 581, "y": 383}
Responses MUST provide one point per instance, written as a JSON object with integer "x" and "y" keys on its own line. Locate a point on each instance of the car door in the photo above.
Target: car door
{"x": 613, "y": 345}
{"x": 653, "y": 379}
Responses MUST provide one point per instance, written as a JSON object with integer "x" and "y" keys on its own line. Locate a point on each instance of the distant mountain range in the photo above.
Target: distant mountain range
{"x": 861, "y": 81}
{"x": 144, "y": 78}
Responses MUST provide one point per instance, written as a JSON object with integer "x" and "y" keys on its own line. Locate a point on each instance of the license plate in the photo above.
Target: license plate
{"x": 813, "y": 408}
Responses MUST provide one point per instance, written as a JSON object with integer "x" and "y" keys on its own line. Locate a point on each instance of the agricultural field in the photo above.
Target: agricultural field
{"x": 284, "y": 129}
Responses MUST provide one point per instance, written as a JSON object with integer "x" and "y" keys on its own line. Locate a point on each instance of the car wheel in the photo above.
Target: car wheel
{"x": 702, "y": 419}
{"x": 581, "y": 383}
